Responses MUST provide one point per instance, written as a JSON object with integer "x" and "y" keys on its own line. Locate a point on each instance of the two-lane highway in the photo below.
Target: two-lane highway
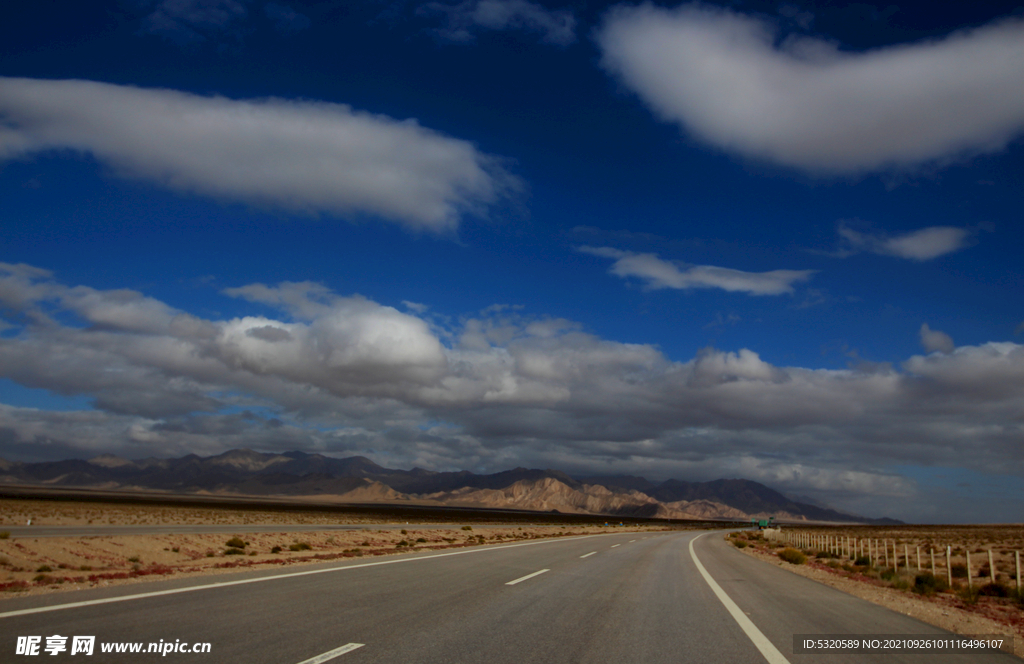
{"x": 617, "y": 598}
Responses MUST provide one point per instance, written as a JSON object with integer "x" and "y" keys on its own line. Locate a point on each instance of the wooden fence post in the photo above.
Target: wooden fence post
{"x": 885, "y": 544}
{"x": 918, "y": 559}
{"x": 932, "y": 548}
{"x": 991, "y": 568}
{"x": 906, "y": 557}
{"x": 968, "y": 553}
{"x": 1016, "y": 559}
{"x": 949, "y": 568}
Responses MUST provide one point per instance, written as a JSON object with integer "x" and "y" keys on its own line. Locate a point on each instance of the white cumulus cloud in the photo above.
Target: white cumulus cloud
{"x": 307, "y": 157}
{"x": 805, "y": 103}
{"x": 935, "y": 340}
{"x": 659, "y": 273}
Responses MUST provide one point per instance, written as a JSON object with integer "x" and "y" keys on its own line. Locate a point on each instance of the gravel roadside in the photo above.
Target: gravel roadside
{"x": 943, "y": 611}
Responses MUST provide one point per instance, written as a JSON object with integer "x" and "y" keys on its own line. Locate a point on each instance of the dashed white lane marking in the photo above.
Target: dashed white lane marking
{"x": 528, "y": 576}
{"x": 587, "y": 555}
{"x": 631, "y": 541}
{"x": 769, "y": 651}
{"x": 615, "y": 545}
{"x": 331, "y": 654}
{"x": 242, "y": 582}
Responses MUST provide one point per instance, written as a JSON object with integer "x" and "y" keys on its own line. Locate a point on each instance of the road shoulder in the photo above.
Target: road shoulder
{"x": 935, "y": 611}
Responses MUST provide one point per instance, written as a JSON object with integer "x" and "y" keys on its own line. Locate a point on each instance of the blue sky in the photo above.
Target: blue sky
{"x": 778, "y": 241}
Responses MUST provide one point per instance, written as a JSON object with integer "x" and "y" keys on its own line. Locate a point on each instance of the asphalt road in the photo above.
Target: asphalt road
{"x": 622, "y": 598}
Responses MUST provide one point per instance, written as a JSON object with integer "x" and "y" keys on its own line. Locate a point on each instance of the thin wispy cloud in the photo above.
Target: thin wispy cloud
{"x": 657, "y": 273}
{"x": 805, "y": 103}
{"x": 193, "y": 20}
{"x": 285, "y": 18}
{"x": 299, "y": 156}
{"x": 464, "y": 20}
{"x": 920, "y": 245}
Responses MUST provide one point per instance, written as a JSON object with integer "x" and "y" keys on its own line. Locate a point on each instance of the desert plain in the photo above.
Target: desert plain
{"x": 290, "y": 534}
{"x": 34, "y": 565}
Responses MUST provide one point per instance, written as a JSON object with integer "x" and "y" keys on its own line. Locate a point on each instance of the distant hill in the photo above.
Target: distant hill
{"x": 358, "y": 479}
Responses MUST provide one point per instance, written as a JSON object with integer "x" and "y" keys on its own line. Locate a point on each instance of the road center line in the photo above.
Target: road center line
{"x": 587, "y": 555}
{"x": 769, "y": 651}
{"x": 528, "y": 576}
{"x": 331, "y": 654}
{"x": 615, "y": 545}
{"x": 242, "y": 582}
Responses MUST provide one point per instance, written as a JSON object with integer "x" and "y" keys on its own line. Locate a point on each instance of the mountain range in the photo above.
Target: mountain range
{"x": 360, "y": 480}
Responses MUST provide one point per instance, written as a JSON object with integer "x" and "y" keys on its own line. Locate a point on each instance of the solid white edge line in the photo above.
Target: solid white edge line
{"x": 761, "y": 642}
{"x": 242, "y": 582}
{"x": 331, "y": 654}
{"x": 528, "y": 576}
{"x": 587, "y": 555}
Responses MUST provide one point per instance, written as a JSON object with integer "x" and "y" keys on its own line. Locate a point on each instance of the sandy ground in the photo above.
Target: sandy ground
{"x": 67, "y": 513}
{"x": 60, "y": 564}
{"x": 946, "y": 611}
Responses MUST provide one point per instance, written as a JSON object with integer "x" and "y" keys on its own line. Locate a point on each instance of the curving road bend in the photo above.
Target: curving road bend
{"x": 622, "y": 598}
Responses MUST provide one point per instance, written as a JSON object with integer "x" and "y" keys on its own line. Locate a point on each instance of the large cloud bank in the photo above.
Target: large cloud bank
{"x": 347, "y": 375}
{"x": 807, "y": 104}
{"x": 308, "y": 157}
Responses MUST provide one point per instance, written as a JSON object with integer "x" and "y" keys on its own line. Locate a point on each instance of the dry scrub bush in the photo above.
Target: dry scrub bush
{"x": 793, "y": 556}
